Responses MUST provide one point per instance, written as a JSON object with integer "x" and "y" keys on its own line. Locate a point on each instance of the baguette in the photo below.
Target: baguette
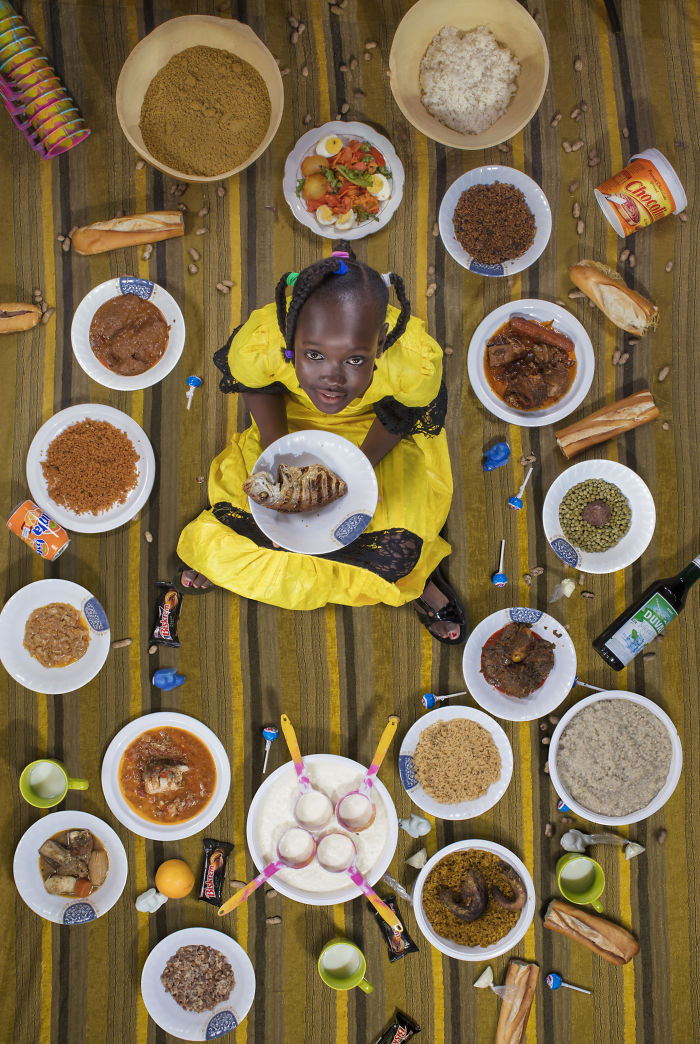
{"x": 607, "y": 422}
{"x": 15, "y": 316}
{"x": 624, "y": 307}
{"x": 521, "y": 983}
{"x": 608, "y": 940}
{"x": 133, "y": 230}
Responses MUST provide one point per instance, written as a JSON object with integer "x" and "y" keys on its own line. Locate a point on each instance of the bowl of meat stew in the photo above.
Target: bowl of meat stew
{"x": 530, "y": 363}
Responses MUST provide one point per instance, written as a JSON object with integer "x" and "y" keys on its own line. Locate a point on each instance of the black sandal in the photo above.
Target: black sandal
{"x": 184, "y": 589}
{"x": 452, "y": 613}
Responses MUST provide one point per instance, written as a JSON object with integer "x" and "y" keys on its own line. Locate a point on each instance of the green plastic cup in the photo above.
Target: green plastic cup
{"x": 45, "y": 783}
{"x": 342, "y": 966}
{"x": 581, "y": 880}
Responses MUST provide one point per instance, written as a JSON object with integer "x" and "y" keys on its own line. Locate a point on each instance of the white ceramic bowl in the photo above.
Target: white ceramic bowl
{"x": 475, "y": 953}
{"x": 541, "y": 311}
{"x": 28, "y": 671}
{"x": 105, "y": 520}
{"x": 346, "y": 890}
{"x": 124, "y": 812}
{"x": 511, "y": 25}
{"x": 175, "y": 35}
{"x": 345, "y": 131}
{"x": 674, "y": 771}
{"x": 205, "y": 1025}
{"x": 331, "y": 527}
{"x": 535, "y": 199}
{"x": 635, "y": 541}
{"x": 550, "y": 694}
{"x": 463, "y": 809}
{"x": 62, "y": 909}
{"x": 80, "y": 332}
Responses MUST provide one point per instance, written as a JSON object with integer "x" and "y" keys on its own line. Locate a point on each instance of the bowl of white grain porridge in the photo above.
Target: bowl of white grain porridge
{"x": 468, "y": 73}
{"x": 615, "y": 758}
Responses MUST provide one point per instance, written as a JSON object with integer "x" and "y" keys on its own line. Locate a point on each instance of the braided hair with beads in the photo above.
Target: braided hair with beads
{"x": 340, "y": 275}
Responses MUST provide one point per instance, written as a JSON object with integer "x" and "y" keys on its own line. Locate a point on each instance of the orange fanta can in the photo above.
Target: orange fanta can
{"x": 35, "y": 527}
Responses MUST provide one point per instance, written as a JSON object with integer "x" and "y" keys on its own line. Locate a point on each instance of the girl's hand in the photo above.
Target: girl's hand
{"x": 378, "y": 442}
{"x": 269, "y": 413}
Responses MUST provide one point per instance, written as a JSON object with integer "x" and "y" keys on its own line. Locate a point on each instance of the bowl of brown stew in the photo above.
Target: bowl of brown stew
{"x": 128, "y": 333}
{"x": 165, "y": 776}
{"x": 530, "y": 363}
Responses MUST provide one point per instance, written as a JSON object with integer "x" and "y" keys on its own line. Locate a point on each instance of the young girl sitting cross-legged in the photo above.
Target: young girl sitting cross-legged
{"x": 336, "y": 357}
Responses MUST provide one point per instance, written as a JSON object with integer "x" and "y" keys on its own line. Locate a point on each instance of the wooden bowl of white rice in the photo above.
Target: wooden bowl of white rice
{"x": 480, "y": 68}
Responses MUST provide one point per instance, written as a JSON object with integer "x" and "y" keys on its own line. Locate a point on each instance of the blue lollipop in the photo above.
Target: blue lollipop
{"x": 500, "y": 579}
{"x": 270, "y": 733}
{"x": 496, "y": 457}
{"x": 555, "y": 982}
{"x": 516, "y": 502}
{"x": 429, "y": 699}
{"x": 192, "y": 383}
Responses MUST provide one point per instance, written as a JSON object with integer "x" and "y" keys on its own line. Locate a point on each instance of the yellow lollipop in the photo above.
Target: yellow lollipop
{"x": 174, "y": 879}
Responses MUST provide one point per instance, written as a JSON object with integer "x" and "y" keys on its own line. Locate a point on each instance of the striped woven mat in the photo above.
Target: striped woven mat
{"x": 338, "y": 672}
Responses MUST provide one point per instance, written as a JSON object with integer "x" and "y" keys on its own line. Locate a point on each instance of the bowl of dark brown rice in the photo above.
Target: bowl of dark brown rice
{"x": 455, "y": 763}
{"x": 498, "y": 929}
{"x": 615, "y": 758}
{"x": 198, "y": 984}
{"x": 495, "y": 221}
{"x": 466, "y": 73}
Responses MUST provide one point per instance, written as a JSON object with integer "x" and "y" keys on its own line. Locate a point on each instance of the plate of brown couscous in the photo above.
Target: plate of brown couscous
{"x": 455, "y": 763}
{"x": 91, "y": 468}
{"x": 474, "y": 900}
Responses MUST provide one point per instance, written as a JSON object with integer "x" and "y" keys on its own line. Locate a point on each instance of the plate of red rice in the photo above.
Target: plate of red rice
{"x": 91, "y": 468}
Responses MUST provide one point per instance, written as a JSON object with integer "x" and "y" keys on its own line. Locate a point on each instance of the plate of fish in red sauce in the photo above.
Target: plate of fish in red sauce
{"x": 70, "y": 867}
{"x": 530, "y": 363}
{"x": 165, "y": 776}
{"x": 519, "y": 664}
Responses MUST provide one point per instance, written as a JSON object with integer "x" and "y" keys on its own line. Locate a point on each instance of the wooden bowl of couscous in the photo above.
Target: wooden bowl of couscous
{"x": 473, "y": 100}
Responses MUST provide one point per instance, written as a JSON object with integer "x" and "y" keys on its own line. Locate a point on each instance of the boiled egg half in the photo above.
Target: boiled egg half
{"x": 325, "y": 216}
{"x": 329, "y": 146}
{"x": 380, "y": 187}
{"x": 345, "y": 221}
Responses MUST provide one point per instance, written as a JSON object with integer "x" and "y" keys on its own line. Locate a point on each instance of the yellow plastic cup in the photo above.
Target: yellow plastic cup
{"x": 581, "y": 880}
{"x": 342, "y": 966}
{"x": 45, "y": 783}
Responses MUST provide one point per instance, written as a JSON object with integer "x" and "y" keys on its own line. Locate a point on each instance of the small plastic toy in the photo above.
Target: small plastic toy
{"x": 167, "y": 678}
{"x": 500, "y": 579}
{"x": 192, "y": 383}
{"x": 555, "y": 982}
{"x": 496, "y": 457}
{"x": 516, "y": 502}
{"x": 270, "y": 734}
{"x": 429, "y": 699}
{"x": 415, "y": 825}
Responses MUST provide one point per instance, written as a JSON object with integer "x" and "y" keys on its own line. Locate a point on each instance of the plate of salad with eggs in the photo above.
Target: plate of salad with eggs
{"x": 343, "y": 180}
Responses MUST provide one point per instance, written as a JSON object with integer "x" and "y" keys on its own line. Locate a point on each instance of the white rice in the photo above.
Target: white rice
{"x": 467, "y": 78}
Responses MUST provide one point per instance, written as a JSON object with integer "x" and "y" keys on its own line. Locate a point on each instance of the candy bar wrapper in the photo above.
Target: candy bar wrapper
{"x": 402, "y": 1028}
{"x": 398, "y": 944}
{"x": 214, "y": 870}
{"x": 167, "y": 615}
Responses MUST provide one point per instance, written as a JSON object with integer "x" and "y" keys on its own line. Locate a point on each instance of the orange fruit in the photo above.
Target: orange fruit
{"x": 174, "y": 879}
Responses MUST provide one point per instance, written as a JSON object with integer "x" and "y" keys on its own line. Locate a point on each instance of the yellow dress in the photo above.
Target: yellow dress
{"x": 401, "y": 547}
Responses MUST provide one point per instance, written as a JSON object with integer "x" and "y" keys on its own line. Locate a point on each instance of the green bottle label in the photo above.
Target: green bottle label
{"x": 649, "y": 620}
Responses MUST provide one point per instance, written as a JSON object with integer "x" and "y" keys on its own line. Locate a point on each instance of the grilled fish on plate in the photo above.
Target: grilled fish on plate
{"x": 296, "y": 489}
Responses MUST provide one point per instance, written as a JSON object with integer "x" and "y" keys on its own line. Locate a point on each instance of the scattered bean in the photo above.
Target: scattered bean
{"x": 182, "y": 207}
{"x": 228, "y": 282}
{"x": 286, "y": 71}
{"x": 47, "y": 315}
{"x": 65, "y": 245}
{"x": 543, "y": 726}
{"x": 449, "y": 351}
{"x": 663, "y": 373}
{"x": 353, "y": 63}
{"x": 527, "y": 578}
{"x": 220, "y": 191}
{"x": 294, "y": 38}
{"x": 336, "y": 9}
{"x": 194, "y": 254}
{"x": 566, "y": 145}
{"x": 307, "y": 119}
{"x": 527, "y": 459}
{"x": 301, "y": 28}
{"x": 581, "y": 579}
{"x": 545, "y": 768}
{"x": 580, "y": 227}
{"x": 44, "y": 307}
{"x": 123, "y": 643}
{"x": 587, "y": 594}
{"x": 271, "y": 893}
{"x": 574, "y": 187}
{"x": 576, "y": 114}
{"x": 60, "y": 238}
{"x": 503, "y": 147}
{"x": 558, "y": 301}
{"x": 201, "y": 231}
{"x": 584, "y": 107}
{"x": 665, "y": 426}
{"x": 344, "y": 108}
{"x": 140, "y": 164}
{"x": 574, "y": 295}
{"x": 200, "y": 479}
{"x": 432, "y": 287}
{"x": 578, "y": 64}
{"x": 358, "y": 92}
{"x": 669, "y": 266}
{"x": 576, "y": 209}
{"x": 616, "y": 356}
{"x": 367, "y": 56}
{"x": 549, "y": 830}
{"x": 661, "y": 835}
{"x": 555, "y": 119}
{"x": 370, "y": 45}
{"x": 436, "y": 229}
{"x": 683, "y": 216}
{"x": 293, "y": 22}
{"x": 625, "y": 132}
{"x": 147, "y": 251}
{"x": 222, "y": 289}
{"x": 553, "y": 719}
{"x": 203, "y": 212}
{"x": 537, "y": 570}
{"x": 594, "y": 161}
{"x": 649, "y": 656}
{"x": 625, "y": 254}
{"x": 566, "y": 819}
{"x": 192, "y": 268}
{"x": 273, "y": 920}
{"x": 152, "y": 649}
{"x": 237, "y": 884}
{"x": 304, "y": 70}
{"x": 624, "y": 357}
{"x": 343, "y": 68}
{"x": 431, "y": 269}
{"x": 148, "y": 536}
{"x": 576, "y": 145}
{"x": 546, "y": 741}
